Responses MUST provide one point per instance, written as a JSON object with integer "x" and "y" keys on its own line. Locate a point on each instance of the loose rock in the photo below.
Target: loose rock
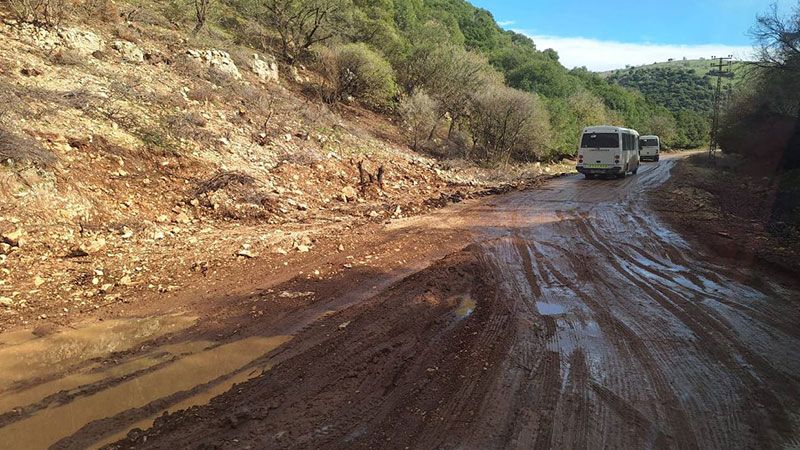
{"x": 12, "y": 238}
{"x": 217, "y": 59}
{"x": 129, "y": 51}
{"x": 266, "y": 69}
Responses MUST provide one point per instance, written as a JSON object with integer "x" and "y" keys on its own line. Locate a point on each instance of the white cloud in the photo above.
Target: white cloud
{"x": 600, "y": 55}
{"x": 506, "y": 23}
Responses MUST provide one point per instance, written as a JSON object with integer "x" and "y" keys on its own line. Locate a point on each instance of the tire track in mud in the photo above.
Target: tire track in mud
{"x": 707, "y": 338}
{"x": 626, "y": 339}
{"x": 658, "y": 278}
{"x": 689, "y": 313}
{"x": 569, "y": 396}
{"x": 529, "y": 380}
{"x": 575, "y": 404}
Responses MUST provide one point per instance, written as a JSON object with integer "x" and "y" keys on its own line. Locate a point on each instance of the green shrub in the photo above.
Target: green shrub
{"x": 358, "y": 71}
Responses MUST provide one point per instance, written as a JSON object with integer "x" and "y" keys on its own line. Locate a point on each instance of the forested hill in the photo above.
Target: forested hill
{"x": 678, "y": 84}
{"x": 677, "y": 89}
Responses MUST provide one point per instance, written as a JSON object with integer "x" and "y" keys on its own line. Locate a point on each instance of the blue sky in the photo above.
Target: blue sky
{"x": 604, "y": 35}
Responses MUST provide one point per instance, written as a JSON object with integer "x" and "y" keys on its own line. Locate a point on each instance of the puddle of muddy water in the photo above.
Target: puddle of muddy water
{"x": 96, "y": 373}
{"x": 550, "y": 309}
{"x": 466, "y": 307}
{"x": 202, "y": 398}
{"x": 70, "y": 383}
{"x": 183, "y": 367}
{"x": 24, "y": 357}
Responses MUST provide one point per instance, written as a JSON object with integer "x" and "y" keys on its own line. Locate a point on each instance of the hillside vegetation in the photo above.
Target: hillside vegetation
{"x": 685, "y": 88}
{"x": 137, "y": 156}
{"x": 451, "y": 67}
{"x": 688, "y": 96}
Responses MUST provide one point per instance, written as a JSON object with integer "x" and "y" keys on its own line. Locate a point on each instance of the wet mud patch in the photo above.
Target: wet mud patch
{"x": 395, "y": 369}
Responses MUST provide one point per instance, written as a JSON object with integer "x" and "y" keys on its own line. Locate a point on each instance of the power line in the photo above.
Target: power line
{"x": 722, "y": 68}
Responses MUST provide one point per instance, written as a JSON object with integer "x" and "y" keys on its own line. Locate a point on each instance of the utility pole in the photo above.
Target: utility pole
{"x": 721, "y": 69}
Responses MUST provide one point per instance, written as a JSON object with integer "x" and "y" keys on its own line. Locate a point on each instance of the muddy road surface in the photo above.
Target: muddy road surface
{"x": 562, "y": 317}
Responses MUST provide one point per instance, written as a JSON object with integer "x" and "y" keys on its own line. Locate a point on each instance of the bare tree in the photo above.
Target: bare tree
{"x": 779, "y": 57}
{"x": 201, "y": 10}
{"x": 778, "y": 39}
{"x": 43, "y": 12}
{"x": 303, "y": 23}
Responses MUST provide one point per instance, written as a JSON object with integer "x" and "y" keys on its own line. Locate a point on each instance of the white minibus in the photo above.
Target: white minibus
{"x": 649, "y": 148}
{"x": 608, "y": 150}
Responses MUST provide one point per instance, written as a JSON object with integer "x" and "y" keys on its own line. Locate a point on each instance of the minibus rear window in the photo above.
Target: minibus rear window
{"x": 600, "y": 140}
{"x": 648, "y": 143}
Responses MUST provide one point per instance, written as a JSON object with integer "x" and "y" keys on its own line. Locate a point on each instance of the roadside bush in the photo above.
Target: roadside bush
{"x": 418, "y": 113}
{"x": 43, "y": 12}
{"x": 762, "y": 122}
{"x": 509, "y": 124}
{"x": 358, "y": 71}
{"x": 450, "y": 75}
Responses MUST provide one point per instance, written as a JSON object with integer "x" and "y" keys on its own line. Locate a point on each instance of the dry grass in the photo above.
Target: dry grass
{"x": 103, "y": 11}
{"x": 188, "y": 125}
{"x": 222, "y": 180}
{"x": 17, "y": 149}
{"x": 126, "y": 33}
{"x": 66, "y": 57}
{"x": 202, "y": 92}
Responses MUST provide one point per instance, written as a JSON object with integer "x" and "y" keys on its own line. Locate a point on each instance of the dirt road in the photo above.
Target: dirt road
{"x": 565, "y": 317}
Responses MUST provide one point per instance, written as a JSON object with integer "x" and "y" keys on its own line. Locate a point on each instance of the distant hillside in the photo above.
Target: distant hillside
{"x": 676, "y": 88}
{"x": 699, "y": 66}
{"x": 678, "y": 85}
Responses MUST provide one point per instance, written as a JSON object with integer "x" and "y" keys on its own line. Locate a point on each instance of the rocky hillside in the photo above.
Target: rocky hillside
{"x": 135, "y": 162}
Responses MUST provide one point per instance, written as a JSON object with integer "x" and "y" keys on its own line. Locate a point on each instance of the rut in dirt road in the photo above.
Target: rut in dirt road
{"x": 570, "y": 318}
